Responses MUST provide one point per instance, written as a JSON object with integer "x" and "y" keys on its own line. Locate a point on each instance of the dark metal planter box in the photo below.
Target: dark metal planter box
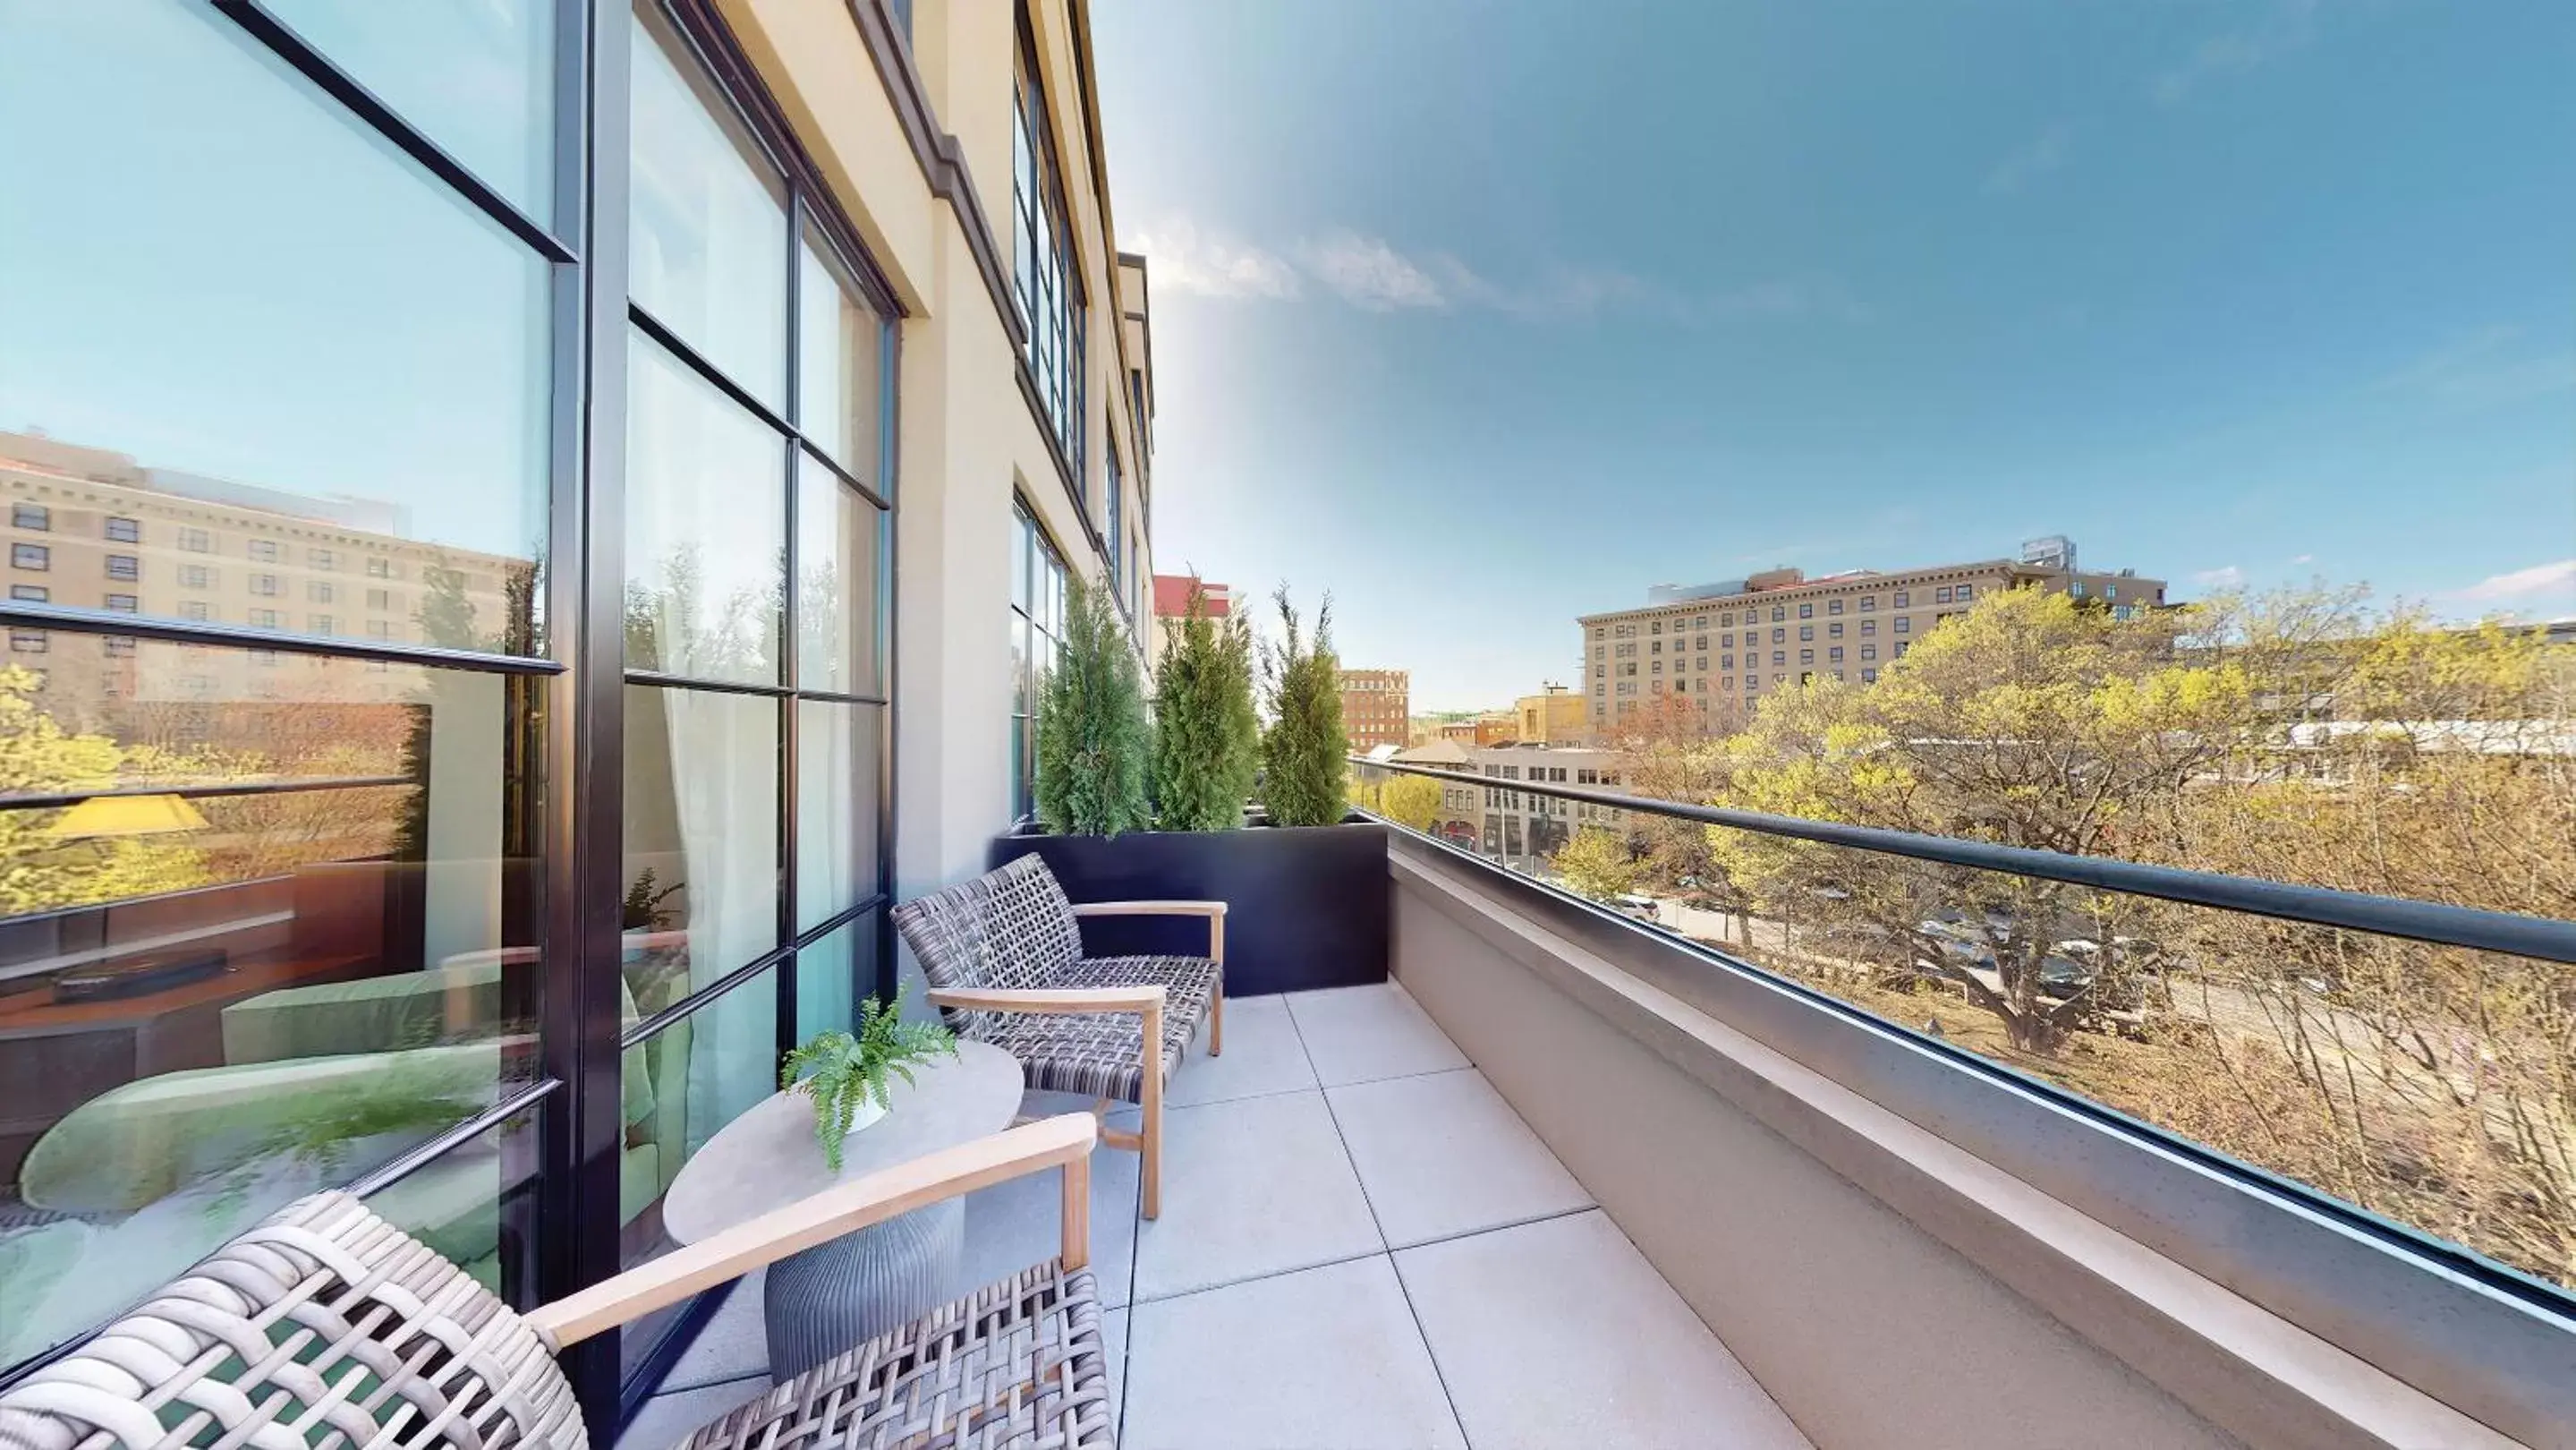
{"x": 1306, "y": 906}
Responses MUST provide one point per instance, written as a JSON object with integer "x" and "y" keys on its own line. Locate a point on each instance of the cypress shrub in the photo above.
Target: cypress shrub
{"x": 1207, "y": 738}
{"x": 1302, "y": 756}
{"x": 1093, "y": 736}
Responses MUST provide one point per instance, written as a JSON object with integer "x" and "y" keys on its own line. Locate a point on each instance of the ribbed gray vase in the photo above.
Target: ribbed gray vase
{"x": 858, "y": 1286}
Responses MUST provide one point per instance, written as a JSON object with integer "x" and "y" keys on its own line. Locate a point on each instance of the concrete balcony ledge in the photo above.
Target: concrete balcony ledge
{"x": 1882, "y": 1283}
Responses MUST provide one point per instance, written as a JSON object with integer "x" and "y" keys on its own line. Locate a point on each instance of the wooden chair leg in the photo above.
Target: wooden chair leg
{"x": 1151, "y": 1138}
{"x": 1216, "y": 953}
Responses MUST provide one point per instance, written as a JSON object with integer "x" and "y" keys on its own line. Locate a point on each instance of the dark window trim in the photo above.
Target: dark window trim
{"x": 79, "y": 620}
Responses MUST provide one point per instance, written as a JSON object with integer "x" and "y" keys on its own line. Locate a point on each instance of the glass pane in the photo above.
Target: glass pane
{"x": 840, "y": 543}
{"x": 701, "y": 834}
{"x": 289, "y": 334}
{"x": 476, "y": 1204}
{"x": 680, "y": 1086}
{"x": 211, "y": 1004}
{"x": 476, "y": 76}
{"x": 706, "y": 526}
{"x": 833, "y": 975}
{"x": 709, "y": 250}
{"x": 836, "y": 807}
{"x": 840, "y": 347}
{"x": 1023, "y": 560}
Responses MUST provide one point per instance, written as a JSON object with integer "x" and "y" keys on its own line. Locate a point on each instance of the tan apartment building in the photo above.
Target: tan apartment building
{"x": 1554, "y": 716}
{"x": 1172, "y": 604}
{"x": 1377, "y": 707}
{"x": 1723, "y": 646}
{"x": 1513, "y": 825}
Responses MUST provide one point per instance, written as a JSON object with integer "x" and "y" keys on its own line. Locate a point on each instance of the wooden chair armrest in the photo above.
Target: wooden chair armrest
{"x": 825, "y": 1216}
{"x": 1214, "y": 911}
{"x": 1149, "y": 908}
{"x": 1048, "y": 999}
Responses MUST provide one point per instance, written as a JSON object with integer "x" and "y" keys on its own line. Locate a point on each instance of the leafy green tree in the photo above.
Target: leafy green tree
{"x": 1093, "y": 734}
{"x": 1410, "y": 801}
{"x": 1207, "y": 736}
{"x": 40, "y": 870}
{"x": 1304, "y": 754}
{"x": 1596, "y": 863}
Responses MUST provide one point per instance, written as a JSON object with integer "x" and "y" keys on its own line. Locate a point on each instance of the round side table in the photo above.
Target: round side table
{"x": 835, "y": 1295}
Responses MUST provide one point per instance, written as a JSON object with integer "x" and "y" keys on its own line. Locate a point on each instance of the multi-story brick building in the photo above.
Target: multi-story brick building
{"x": 1722, "y": 646}
{"x": 1376, "y": 707}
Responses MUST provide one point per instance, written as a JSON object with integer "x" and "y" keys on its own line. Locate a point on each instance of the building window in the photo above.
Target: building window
{"x": 1806, "y": 631}
{"x": 264, "y": 618}
{"x": 1779, "y": 634}
{"x": 194, "y": 609}
{"x": 28, "y": 641}
{"x": 1869, "y": 677}
{"x": 1869, "y": 626}
{"x": 319, "y": 558}
{"x": 1806, "y": 611}
{"x": 263, "y": 584}
{"x": 31, "y": 516}
{"x": 1779, "y": 612}
{"x": 1834, "y": 630}
{"x": 1116, "y": 531}
{"x": 1869, "y": 651}
{"x": 1779, "y": 657}
{"x": 30, "y": 556}
{"x": 128, "y": 604}
{"x": 264, "y": 550}
{"x": 380, "y": 629}
{"x": 198, "y": 541}
{"x": 31, "y": 593}
{"x": 1835, "y": 607}
{"x": 1806, "y": 657}
{"x": 1834, "y": 654}
{"x": 124, "y": 566}
{"x": 1046, "y": 278}
{"x": 195, "y": 576}
{"x": 1038, "y": 595}
{"x": 1904, "y": 626}
{"x": 1901, "y": 599}
{"x": 1868, "y": 602}
{"x": 379, "y": 567}
{"x": 323, "y": 624}
{"x": 317, "y": 591}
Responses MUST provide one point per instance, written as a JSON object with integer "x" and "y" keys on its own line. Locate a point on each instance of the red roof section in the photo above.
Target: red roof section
{"x": 1172, "y": 595}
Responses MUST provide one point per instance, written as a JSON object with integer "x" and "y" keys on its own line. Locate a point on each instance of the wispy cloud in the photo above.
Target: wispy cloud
{"x": 1371, "y": 275}
{"x": 2285, "y": 27}
{"x": 1182, "y": 259}
{"x": 2298, "y": 559}
{"x": 2035, "y": 158}
{"x": 2538, "y": 583}
{"x": 2228, "y": 576}
{"x": 2490, "y": 366}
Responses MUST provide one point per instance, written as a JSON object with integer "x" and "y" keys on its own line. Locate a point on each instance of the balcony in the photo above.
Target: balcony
{"x": 1570, "y": 1180}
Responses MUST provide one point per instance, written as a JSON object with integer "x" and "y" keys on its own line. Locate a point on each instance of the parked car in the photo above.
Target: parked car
{"x": 1638, "y": 908}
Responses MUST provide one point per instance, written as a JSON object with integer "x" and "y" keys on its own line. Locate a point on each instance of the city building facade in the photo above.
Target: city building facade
{"x": 1172, "y": 604}
{"x": 1377, "y": 708}
{"x": 507, "y": 582}
{"x": 1721, "y": 647}
{"x": 1554, "y": 716}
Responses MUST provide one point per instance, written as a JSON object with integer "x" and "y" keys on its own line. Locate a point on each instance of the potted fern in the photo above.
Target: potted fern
{"x": 1305, "y": 895}
{"x": 851, "y": 1078}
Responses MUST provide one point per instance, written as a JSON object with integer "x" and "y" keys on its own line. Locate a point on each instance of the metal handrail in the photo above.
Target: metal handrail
{"x": 2476, "y": 928}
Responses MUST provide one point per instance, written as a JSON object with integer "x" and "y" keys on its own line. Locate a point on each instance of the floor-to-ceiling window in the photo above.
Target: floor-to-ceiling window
{"x": 1037, "y": 630}
{"x": 280, "y": 404}
{"x": 756, "y": 542}
{"x": 302, "y": 652}
{"x": 1046, "y": 276}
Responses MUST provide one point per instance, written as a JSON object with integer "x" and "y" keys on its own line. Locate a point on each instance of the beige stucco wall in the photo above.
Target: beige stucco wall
{"x": 1865, "y": 1329}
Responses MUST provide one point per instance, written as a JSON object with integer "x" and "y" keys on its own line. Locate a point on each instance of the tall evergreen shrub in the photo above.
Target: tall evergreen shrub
{"x": 1093, "y": 736}
{"x": 1302, "y": 756}
{"x": 1207, "y": 737}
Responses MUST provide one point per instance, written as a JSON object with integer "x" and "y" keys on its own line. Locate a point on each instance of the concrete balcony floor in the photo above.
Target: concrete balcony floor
{"x": 1361, "y": 1246}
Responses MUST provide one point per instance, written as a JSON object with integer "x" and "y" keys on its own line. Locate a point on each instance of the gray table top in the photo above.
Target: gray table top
{"x": 767, "y": 1158}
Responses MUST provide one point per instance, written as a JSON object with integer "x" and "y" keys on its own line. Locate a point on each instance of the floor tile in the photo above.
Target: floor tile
{"x": 1012, "y": 1225}
{"x": 733, "y": 1345}
{"x": 1113, "y": 1328}
{"x": 1262, "y": 1055}
{"x": 1325, "y": 1359}
{"x": 1251, "y": 1187}
{"x": 1444, "y": 1155}
{"x": 668, "y": 1419}
{"x": 1560, "y": 1333}
{"x": 1355, "y": 1034}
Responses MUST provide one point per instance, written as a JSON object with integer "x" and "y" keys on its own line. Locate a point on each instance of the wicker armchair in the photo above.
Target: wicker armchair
{"x": 327, "y": 1327}
{"x": 1003, "y": 953}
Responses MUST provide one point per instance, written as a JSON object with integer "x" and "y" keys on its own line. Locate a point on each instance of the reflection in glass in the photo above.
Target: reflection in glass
{"x": 702, "y": 828}
{"x": 681, "y": 1085}
{"x": 840, "y": 345}
{"x": 832, "y": 976}
{"x": 840, "y": 539}
{"x": 709, "y": 248}
{"x": 211, "y": 1004}
{"x": 706, "y": 527}
{"x": 836, "y": 807}
{"x": 476, "y": 1204}
{"x": 289, "y": 329}
{"x": 476, "y": 76}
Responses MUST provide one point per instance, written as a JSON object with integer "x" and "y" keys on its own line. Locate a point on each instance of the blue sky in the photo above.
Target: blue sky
{"x": 1483, "y": 316}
